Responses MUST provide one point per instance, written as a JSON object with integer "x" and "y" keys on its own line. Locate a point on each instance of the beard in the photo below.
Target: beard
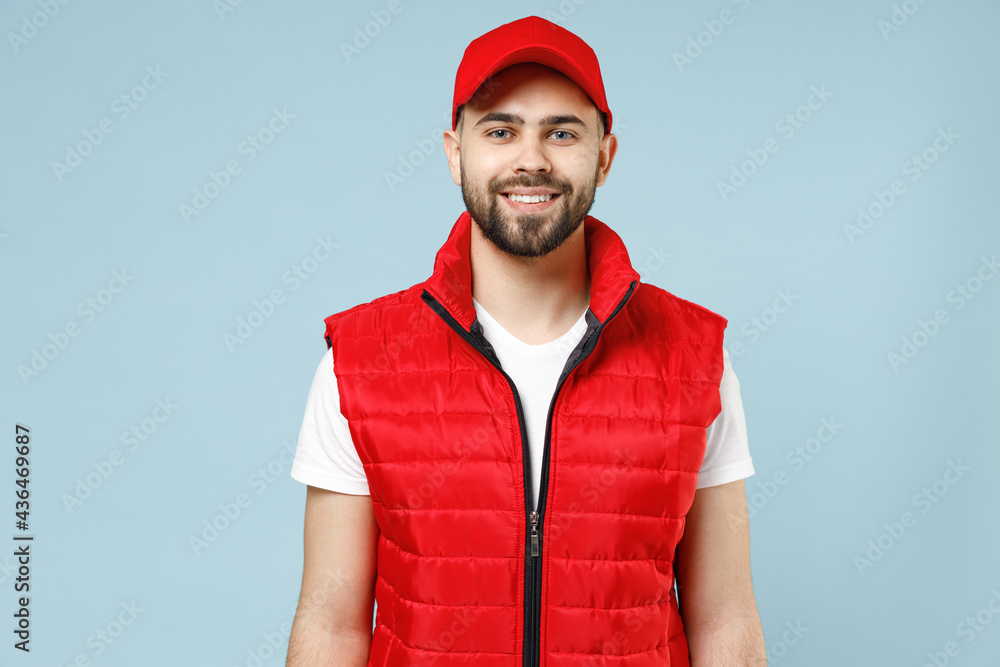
{"x": 528, "y": 234}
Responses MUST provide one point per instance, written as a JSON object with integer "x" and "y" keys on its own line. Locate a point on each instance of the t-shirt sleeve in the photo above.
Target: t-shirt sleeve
{"x": 325, "y": 455}
{"x": 727, "y": 451}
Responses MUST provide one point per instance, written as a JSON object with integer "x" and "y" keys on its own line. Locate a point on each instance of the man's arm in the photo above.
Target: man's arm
{"x": 713, "y": 581}
{"x": 333, "y": 621}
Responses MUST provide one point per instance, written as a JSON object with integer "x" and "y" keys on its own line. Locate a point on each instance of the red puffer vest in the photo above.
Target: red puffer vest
{"x": 467, "y": 573}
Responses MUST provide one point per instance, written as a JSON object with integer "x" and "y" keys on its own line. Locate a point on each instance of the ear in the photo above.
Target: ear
{"x": 452, "y": 151}
{"x": 605, "y": 156}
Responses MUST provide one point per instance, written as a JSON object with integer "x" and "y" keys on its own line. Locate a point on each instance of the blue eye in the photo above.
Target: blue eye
{"x": 493, "y": 133}
{"x": 568, "y": 135}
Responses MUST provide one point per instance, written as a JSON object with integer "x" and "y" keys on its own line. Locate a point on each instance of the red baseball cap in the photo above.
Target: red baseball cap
{"x": 530, "y": 40}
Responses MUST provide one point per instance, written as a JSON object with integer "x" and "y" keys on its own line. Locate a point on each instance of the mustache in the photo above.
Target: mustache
{"x": 561, "y": 187}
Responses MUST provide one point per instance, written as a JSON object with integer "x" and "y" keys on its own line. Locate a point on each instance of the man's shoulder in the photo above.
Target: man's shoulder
{"x": 400, "y": 300}
{"x": 655, "y": 297}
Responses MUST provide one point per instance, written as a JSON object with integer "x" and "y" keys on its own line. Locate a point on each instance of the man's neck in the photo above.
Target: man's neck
{"x": 536, "y": 299}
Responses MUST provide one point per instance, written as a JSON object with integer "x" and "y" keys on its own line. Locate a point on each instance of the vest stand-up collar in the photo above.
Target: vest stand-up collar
{"x": 611, "y": 271}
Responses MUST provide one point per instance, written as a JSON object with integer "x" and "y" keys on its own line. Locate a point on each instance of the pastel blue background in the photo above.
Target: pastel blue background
{"x": 681, "y": 130}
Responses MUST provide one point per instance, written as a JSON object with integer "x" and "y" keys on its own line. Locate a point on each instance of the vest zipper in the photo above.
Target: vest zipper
{"x": 535, "y": 518}
{"x": 534, "y": 533}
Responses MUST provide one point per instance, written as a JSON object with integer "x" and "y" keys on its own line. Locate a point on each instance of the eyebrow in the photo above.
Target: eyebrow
{"x": 514, "y": 119}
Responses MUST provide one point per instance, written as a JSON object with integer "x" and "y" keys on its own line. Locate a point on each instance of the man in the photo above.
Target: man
{"x": 515, "y": 456}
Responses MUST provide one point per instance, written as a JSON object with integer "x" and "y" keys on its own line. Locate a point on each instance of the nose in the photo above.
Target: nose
{"x": 532, "y": 156}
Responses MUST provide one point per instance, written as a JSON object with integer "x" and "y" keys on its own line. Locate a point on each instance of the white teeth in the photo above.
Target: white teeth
{"x": 533, "y": 199}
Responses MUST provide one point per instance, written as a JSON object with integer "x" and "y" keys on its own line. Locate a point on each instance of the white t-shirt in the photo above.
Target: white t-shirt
{"x": 326, "y": 457}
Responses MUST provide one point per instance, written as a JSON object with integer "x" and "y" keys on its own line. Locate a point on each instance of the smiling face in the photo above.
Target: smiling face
{"x": 529, "y": 157}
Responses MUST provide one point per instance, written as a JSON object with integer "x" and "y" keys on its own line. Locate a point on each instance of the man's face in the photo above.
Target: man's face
{"x": 530, "y": 131}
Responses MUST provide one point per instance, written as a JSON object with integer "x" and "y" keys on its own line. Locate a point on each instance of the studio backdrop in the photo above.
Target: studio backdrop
{"x": 189, "y": 188}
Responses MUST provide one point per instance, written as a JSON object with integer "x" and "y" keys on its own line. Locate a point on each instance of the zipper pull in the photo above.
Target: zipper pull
{"x": 534, "y": 533}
